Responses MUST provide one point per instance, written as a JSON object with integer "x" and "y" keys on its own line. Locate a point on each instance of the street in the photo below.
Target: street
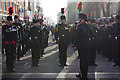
{"x": 49, "y": 67}
{"x": 36, "y": 35}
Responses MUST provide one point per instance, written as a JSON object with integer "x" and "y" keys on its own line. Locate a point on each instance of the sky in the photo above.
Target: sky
{"x": 52, "y": 7}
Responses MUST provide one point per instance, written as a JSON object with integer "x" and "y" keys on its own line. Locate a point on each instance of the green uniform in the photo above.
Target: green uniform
{"x": 36, "y": 40}
{"x": 45, "y": 36}
{"x": 63, "y": 41}
{"x": 26, "y": 38}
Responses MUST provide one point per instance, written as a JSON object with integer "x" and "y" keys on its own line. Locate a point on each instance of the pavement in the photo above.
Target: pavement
{"x": 49, "y": 68}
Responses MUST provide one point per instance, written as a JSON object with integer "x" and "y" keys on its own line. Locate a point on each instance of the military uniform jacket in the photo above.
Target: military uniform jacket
{"x": 10, "y": 34}
{"x": 63, "y": 34}
{"x": 83, "y": 36}
{"x": 19, "y": 28}
{"x": 36, "y": 37}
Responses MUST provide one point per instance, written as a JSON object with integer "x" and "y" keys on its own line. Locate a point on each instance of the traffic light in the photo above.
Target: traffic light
{"x": 80, "y": 6}
{"x": 62, "y": 10}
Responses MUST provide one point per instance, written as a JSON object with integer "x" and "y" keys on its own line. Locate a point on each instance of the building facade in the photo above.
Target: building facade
{"x": 17, "y": 7}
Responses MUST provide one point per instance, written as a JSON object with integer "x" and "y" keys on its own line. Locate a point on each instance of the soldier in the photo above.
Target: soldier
{"x": 46, "y": 34}
{"x": 23, "y": 36}
{"x": 9, "y": 34}
{"x": 41, "y": 27}
{"x": 26, "y": 38}
{"x": 19, "y": 26}
{"x": 63, "y": 38}
{"x": 36, "y": 40}
{"x": 83, "y": 40}
{"x": 93, "y": 43}
{"x": 53, "y": 32}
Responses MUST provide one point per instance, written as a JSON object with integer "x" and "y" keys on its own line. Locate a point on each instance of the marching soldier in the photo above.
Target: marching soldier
{"x": 36, "y": 40}
{"x": 92, "y": 53}
{"x": 83, "y": 40}
{"x": 10, "y": 36}
{"x": 46, "y": 34}
{"x": 41, "y": 27}
{"x": 53, "y": 32}
{"x": 63, "y": 41}
{"x": 19, "y": 27}
{"x": 26, "y": 37}
{"x": 23, "y": 36}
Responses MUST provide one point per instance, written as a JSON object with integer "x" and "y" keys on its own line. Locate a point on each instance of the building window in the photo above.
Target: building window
{"x": 4, "y": 5}
{"x": 8, "y": 5}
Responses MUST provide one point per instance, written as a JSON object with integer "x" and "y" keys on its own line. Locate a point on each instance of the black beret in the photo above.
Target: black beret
{"x": 9, "y": 18}
{"x": 15, "y": 17}
{"x": 83, "y": 16}
{"x": 62, "y": 17}
{"x": 35, "y": 20}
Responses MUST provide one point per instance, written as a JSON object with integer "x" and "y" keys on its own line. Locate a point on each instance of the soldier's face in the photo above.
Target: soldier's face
{"x": 35, "y": 24}
{"x": 28, "y": 26}
{"x": 16, "y": 20}
{"x": 82, "y": 20}
{"x": 89, "y": 22}
{"x": 94, "y": 24}
{"x": 63, "y": 21}
{"x": 9, "y": 22}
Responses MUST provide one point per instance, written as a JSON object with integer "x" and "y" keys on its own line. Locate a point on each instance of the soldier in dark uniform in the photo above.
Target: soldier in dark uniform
{"x": 41, "y": 28}
{"x": 83, "y": 41}
{"x": 63, "y": 38}
{"x": 23, "y": 36}
{"x": 9, "y": 34}
{"x": 19, "y": 27}
{"x": 36, "y": 40}
{"x": 92, "y": 53}
{"x": 116, "y": 33}
{"x": 26, "y": 38}
{"x": 53, "y": 32}
{"x": 46, "y": 34}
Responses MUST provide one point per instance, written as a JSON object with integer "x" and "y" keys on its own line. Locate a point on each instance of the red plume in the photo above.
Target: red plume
{"x": 10, "y": 10}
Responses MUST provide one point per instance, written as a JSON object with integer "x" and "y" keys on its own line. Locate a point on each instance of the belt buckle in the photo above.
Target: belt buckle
{"x": 36, "y": 37}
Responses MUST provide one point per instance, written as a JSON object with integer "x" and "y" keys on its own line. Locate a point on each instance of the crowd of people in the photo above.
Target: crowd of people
{"x": 19, "y": 37}
{"x": 87, "y": 36}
